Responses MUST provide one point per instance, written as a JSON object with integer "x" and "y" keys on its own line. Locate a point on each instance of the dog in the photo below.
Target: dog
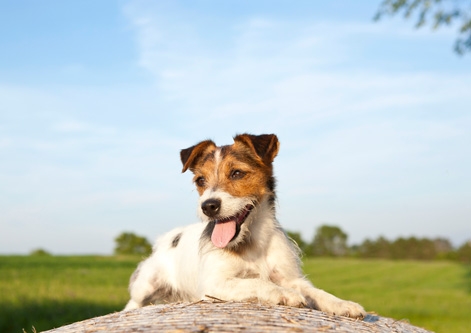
{"x": 239, "y": 252}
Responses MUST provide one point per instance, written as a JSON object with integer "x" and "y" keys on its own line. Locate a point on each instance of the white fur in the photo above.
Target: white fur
{"x": 267, "y": 271}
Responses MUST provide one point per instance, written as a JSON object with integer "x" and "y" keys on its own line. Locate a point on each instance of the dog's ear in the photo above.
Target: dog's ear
{"x": 190, "y": 156}
{"x": 266, "y": 146}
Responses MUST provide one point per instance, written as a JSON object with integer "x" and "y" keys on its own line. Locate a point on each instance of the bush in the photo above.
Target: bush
{"x": 39, "y": 252}
{"x": 129, "y": 243}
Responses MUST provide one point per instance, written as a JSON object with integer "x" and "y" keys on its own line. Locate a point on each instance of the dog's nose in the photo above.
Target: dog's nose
{"x": 211, "y": 207}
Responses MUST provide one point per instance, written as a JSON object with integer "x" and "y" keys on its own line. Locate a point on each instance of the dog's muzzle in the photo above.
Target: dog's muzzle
{"x": 225, "y": 228}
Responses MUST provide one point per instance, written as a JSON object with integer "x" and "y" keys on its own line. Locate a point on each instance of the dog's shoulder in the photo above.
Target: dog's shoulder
{"x": 178, "y": 237}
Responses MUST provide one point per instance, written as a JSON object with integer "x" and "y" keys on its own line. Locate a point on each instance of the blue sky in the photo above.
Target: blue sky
{"x": 98, "y": 97}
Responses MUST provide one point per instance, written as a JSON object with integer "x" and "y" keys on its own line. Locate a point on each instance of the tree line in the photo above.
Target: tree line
{"x": 331, "y": 241}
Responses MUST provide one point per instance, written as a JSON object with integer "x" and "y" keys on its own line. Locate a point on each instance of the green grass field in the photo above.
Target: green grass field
{"x": 47, "y": 292}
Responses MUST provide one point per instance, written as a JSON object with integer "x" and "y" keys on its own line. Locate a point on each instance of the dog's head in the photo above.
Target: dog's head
{"x": 232, "y": 181}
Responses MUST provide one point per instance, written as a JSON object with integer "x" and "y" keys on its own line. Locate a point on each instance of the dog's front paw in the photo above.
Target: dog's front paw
{"x": 346, "y": 309}
{"x": 288, "y": 297}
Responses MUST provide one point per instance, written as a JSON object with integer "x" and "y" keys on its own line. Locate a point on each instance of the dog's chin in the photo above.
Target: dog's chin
{"x": 241, "y": 240}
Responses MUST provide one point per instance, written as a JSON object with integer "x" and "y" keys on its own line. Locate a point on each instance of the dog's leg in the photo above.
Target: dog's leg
{"x": 286, "y": 272}
{"x": 323, "y": 301}
{"x": 243, "y": 289}
{"x": 131, "y": 305}
{"x": 144, "y": 284}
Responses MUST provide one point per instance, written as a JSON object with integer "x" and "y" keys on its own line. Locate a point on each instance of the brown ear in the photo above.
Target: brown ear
{"x": 266, "y": 146}
{"x": 190, "y": 156}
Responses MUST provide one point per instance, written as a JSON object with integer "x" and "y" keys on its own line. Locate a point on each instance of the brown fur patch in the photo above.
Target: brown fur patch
{"x": 243, "y": 169}
{"x": 190, "y": 156}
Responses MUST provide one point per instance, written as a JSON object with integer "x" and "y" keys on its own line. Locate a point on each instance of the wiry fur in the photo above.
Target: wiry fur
{"x": 259, "y": 263}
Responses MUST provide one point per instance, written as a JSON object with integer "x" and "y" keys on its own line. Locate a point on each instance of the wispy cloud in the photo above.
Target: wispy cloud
{"x": 362, "y": 139}
{"x": 281, "y": 67}
{"x": 373, "y": 123}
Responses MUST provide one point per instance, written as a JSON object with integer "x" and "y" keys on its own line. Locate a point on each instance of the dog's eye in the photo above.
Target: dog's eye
{"x": 237, "y": 174}
{"x": 200, "y": 181}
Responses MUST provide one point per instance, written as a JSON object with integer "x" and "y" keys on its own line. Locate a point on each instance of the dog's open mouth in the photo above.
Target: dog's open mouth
{"x": 225, "y": 229}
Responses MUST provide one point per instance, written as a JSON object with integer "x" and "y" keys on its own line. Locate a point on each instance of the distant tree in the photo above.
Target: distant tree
{"x": 436, "y": 12}
{"x": 329, "y": 241}
{"x": 380, "y": 248}
{"x": 464, "y": 252}
{"x": 425, "y": 250}
{"x": 442, "y": 245}
{"x": 443, "y": 249}
{"x": 131, "y": 244}
{"x": 406, "y": 248}
{"x": 39, "y": 252}
{"x": 401, "y": 248}
{"x": 296, "y": 236}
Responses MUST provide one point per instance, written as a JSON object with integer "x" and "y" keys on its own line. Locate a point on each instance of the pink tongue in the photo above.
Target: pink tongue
{"x": 223, "y": 233}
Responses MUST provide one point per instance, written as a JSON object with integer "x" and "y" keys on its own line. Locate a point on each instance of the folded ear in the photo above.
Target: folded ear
{"x": 190, "y": 156}
{"x": 266, "y": 146}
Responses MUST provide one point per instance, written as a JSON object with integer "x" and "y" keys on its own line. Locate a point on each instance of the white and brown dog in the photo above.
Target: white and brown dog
{"x": 240, "y": 251}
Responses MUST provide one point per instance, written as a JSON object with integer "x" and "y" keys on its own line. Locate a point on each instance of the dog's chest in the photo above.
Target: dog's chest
{"x": 255, "y": 269}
